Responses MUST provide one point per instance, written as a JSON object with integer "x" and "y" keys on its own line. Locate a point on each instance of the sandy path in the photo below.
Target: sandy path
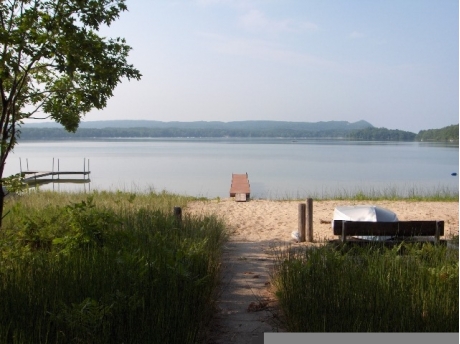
{"x": 246, "y": 307}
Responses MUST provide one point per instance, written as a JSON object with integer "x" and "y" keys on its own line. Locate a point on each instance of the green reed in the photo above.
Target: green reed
{"x": 111, "y": 267}
{"x": 390, "y": 193}
{"x": 375, "y": 289}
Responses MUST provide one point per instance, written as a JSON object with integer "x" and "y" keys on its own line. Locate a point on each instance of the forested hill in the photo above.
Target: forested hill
{"x": 215, "y": 125}
{"x": 137, "y": 129}
{"x": 446, "y": 134}
{"x": 381, "y": 134}
{"x": 361, "y": 130}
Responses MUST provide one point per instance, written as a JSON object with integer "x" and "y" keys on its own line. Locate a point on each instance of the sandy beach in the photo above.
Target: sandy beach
{"x": 264, "y": 220}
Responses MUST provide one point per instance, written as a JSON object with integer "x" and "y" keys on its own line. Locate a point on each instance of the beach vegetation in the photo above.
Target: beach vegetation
{"x": 107, "y": 267}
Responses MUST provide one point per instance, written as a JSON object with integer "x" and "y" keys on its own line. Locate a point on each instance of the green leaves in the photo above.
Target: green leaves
{"x": 53, "y": 61}
{"x": 14, "y": 183}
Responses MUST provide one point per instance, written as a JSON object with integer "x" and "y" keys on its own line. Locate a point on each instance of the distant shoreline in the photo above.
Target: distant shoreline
{"x": 360, "y": 131}
{"x": 300, "y": 140}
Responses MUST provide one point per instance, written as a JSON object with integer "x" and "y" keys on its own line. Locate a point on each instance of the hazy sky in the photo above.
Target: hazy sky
{"x": 393, "y": 63}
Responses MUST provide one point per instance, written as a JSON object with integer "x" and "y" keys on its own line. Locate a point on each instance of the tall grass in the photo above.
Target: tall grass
{"x": 165, "y": 201}
{"x": 391, "y": 193}
{"x": 372, "y": 289}
{"x": 109, "y": 268}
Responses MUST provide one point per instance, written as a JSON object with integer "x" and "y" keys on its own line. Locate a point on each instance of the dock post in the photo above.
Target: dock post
{"x": 178, "y": 215}
{"x": 309, "y": 220}
{"x": 301, "y": 221}
{"x": 20, "y": 166}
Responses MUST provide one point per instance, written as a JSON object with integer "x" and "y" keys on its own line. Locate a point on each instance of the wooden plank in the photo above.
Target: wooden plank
{"x": 240, "y": 185}
{"x": 37, "y": 174}
{"x": 400, "y": 228}
{"x": 240, "y": 197}
{"x": 38, "y": 177}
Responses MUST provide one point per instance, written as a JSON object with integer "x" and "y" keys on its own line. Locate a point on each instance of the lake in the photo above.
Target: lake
{"x": 277, "y": 168}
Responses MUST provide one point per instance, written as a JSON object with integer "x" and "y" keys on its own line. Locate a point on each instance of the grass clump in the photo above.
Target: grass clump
{"x": 372, "y": 289}
{"x": 108, "y": 268}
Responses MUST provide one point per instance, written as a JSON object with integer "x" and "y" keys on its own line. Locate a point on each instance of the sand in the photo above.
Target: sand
{"x": 247, "y": 307}
{"x": 264, "y": 220}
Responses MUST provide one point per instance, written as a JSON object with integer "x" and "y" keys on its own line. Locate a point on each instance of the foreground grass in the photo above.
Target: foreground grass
{"x": 110, "y": 268}
{"x": 369, "y": 289}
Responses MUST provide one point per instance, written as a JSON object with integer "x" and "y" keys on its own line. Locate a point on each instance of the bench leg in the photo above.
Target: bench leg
{"x": 344, "y": 236}
{"x": 437, "y": 233}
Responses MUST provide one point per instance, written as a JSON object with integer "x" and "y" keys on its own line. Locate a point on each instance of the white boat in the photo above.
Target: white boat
{"x": 369, "y": 213}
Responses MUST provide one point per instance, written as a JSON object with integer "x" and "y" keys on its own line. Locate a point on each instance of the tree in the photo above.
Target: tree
{"x": 54, "y": 64}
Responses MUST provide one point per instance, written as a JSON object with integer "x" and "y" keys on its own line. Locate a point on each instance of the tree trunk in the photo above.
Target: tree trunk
{"x": 2, "y": 198}
{"x": 3, "y": 156}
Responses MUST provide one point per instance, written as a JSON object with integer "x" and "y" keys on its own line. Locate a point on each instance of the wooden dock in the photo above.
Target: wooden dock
{"x": 35, "y": 177}
{"x": 38, "y": 177}
{"x": 240, "y": 188}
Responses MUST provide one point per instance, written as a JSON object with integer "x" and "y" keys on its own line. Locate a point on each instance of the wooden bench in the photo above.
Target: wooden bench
{"x": 399, "y": 229}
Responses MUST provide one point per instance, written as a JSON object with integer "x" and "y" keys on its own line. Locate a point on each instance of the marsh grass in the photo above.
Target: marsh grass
{"x": 374, "y": 289}
{"x": 110, "y": 267}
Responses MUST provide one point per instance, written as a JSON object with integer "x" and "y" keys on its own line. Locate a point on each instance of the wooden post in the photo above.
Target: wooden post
{"x": 302, "y": 221}
{"x": 178, "y": 215}
{"x": 309, "y": 220}
{"x": 437, "y": 233}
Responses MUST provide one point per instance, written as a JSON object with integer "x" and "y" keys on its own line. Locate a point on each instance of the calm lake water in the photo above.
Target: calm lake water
{"x": 277, "y": 168}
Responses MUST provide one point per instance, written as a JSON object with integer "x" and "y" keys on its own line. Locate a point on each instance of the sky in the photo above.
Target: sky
{"x": 393, "y": 63}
